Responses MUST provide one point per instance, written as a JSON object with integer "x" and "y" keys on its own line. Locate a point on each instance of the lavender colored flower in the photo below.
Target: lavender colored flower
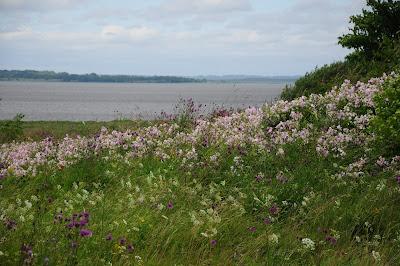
{"x": 85, "y": 233}
{"x": 122, "y": 241}
{"x": 26, "y": 250}
{"x": 109, "y": 237}
{"x": 170, "y": 205}
{"x": 331, "y": 239}
{"x": 267, "y": 221}
{"x": 129, "y": 248}
{"x": 252, "y": 228}
{"x": 274, "y": 210}
{"x": 281, "y": 178}
{"x": 398, "y": 179}
{"x": 213, "y": 242}
{"x": 10, "y": 224}
{"x": 259, "y": 177}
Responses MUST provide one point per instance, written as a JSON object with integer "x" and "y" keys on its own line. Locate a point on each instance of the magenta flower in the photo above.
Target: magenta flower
{"x": 129, "y": 248}
{"x": 267, "y": 221}
{"x": 252, "y": 229}
{"x": 85, "y": 233}
{"x": 170, "y": 205}
{"x": 331, "y": 239}
{"x": 274, "y": 210}
{"x": 122, "y": 241}
{"x": 109, "y": 237}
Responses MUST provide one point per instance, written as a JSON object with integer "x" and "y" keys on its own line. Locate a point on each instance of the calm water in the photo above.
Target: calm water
{"x": 109, "y": 101}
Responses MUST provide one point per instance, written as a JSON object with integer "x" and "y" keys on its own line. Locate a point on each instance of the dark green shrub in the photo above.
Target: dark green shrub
{"x": 386, "y": 123}
{"x": 11, "y": 129}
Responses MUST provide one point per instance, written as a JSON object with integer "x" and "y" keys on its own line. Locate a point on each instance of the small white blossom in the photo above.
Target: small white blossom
{"x": 308, "y": 243}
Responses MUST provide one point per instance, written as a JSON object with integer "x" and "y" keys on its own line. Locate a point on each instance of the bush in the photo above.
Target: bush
{"x": 386, "y": 123}
{"x": 11, "y": 129}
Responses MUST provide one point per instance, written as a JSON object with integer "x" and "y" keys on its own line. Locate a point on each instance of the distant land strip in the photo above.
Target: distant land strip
{"x": 92, "y": 77}
{"x": 35, "y": 75}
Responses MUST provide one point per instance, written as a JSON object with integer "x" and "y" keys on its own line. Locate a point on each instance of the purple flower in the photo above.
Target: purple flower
{"x": 122, "y": 241}
{"x": 27, "y": 250}
{"x": 213, "y": 242}
{"x": 170, "y": 205}
{"x": 109, "y": 237}
{"x": 267, "y": 221}
{"x": 129, "y": 248}
{"x": 259, "y": 177}
{"x": 281, "y": 178}
{"x": 398, "y": 179}
{"x": 10, "y": 224}
{"x": 274, "y": 210}
{"x": 331, "y": 239}
{"x": 252, "y": 228}
{"x": 85, "y": 233}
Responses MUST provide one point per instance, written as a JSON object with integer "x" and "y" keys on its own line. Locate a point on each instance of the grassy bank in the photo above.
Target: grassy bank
{"x": 301, "y": 182}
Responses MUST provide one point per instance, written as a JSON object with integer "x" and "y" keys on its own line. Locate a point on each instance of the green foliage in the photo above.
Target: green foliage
{"x": 386, "y": 123}
{"x": 376, "y": 44}
{"x": 371, "y": 28}
{"x": 11, "y": 129}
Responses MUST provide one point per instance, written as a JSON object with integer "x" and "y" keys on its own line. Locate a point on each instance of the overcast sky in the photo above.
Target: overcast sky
{"x": 173, "y": 37}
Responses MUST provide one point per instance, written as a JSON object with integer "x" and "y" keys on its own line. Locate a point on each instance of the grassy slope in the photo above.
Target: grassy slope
{"x": 130, "y": 198}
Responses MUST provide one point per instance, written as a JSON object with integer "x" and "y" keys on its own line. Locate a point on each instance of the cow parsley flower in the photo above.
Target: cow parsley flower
{"x": 308, "y": 243}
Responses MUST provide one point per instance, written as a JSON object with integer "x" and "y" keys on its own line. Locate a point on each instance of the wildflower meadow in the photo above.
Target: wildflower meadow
{"x": 309, "y": 181}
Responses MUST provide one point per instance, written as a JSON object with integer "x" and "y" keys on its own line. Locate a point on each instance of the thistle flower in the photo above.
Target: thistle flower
{"x": 85, "y": 233}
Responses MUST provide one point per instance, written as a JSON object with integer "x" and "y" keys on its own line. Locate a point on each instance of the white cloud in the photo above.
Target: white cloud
{"x": 113, "y": 32}
{"x": 35, "y": 5}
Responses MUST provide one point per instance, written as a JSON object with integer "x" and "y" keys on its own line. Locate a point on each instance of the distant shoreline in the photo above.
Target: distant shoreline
{"x": 51, "y": 76}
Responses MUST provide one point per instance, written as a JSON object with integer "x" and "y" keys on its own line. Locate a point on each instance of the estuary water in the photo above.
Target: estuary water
{"x": 75, "y": 101}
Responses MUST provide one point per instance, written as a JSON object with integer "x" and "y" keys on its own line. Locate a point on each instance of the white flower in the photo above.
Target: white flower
{"x": 308, "y": 243}
{"x": 28, "y": 204}
{"x": 376, "y": 255}
{"x": 273, "y": 239}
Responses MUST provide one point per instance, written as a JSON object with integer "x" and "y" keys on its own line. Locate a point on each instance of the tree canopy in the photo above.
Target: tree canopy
{"x": 375, "y": 29}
